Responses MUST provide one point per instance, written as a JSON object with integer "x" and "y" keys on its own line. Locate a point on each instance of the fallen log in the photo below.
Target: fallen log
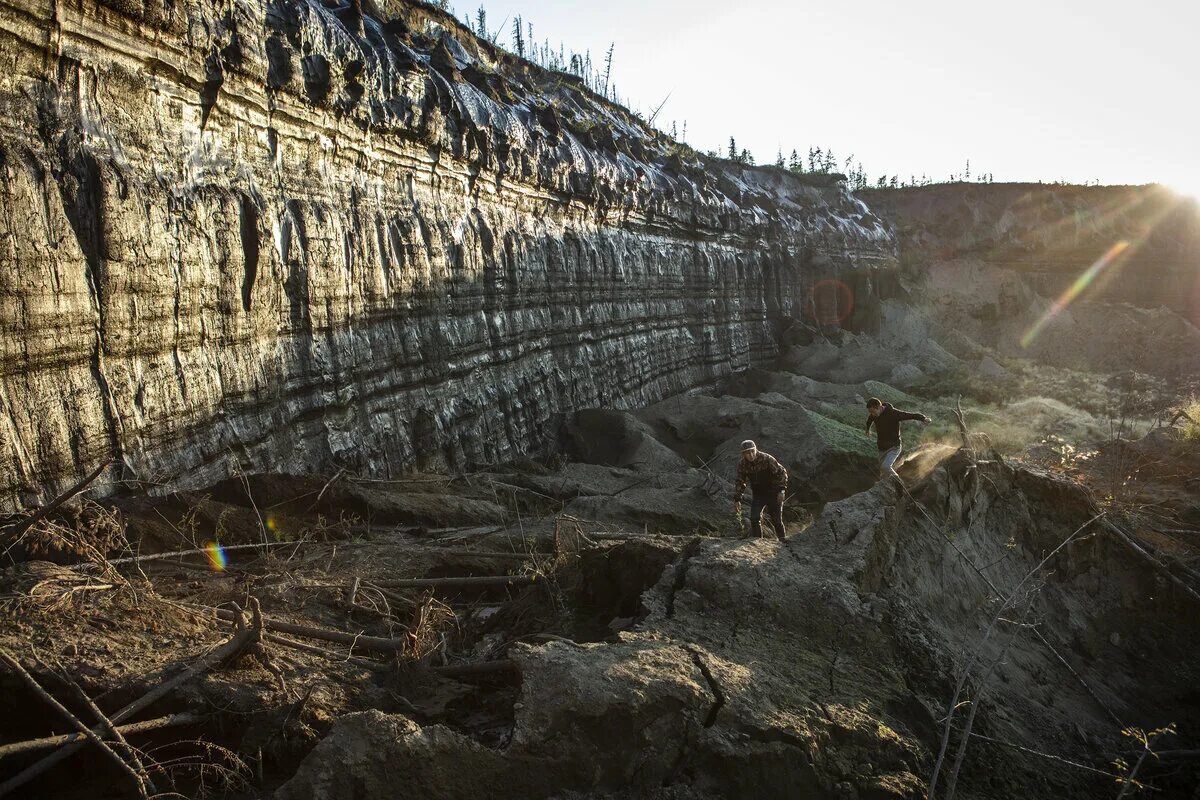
{"x": 201, "y": 552}
{"x": 139, "y": 777}
{"x": 47, "y": 742}
{"x": 110, "y": 730}
{"x": 228, "y": 650}
{"x": 1141, "y": 553}
{"x": 56, "y": 503}
{"x": 337, "y": 637}
{"x": 457, "y": 583}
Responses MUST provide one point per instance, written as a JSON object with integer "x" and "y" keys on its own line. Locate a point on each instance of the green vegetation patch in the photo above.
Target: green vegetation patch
{"x": 842, "y": 437}
{"x": 889, "y": 394}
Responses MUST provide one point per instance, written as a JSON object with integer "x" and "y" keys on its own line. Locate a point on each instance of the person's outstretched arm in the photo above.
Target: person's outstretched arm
{"x": 914, "y": 415}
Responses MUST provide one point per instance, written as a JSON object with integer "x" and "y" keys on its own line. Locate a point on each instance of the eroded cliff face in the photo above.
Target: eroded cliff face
{"x": 292, "y": 236}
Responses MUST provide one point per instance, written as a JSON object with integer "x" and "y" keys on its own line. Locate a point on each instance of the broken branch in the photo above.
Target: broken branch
{"x": 47, "y": 742}
{"x": 227, "y": 650}
{"x": 57, "y": 502}
{"x": 457, "y": 583}
{"x": 338, "y": 637}
{"x": 1141, "y": 553}
{"x": 92, "y": 736}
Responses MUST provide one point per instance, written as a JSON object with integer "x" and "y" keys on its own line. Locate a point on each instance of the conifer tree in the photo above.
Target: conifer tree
{"x": 794, "y": 162}
{"x": 779, "y": 158}
{"x": 746, "y": 157}
{"x": 518, "y": 37}
{"x": 608, "y": 67}
{"x": 733, "y": 151}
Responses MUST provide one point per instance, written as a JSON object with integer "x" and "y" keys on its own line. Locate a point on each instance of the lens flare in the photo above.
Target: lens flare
{"x": 830, "y": 302}
{"x": 1082, "y": 282}
{"x": 216, "y": 556}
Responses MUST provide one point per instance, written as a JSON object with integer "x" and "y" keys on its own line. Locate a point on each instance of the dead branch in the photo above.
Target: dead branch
{"x": 963, "y": 433}
{"x": 329, "y": 654}
{"x": 254, "y": 646}
{"x": 976, "y": 703}
{"x": 325, "y": 488}
{"x": 337, "y": 637}
{"x": 200, "y": 552}
{"x": 962, "y": 679}
{"x": 48, "y": 742}
{"x": 56, "y": 503}
{"x": 1181, "y": 414}
{"x": 262, "y": 527}
{"x": 1040, "y": 754}
{"x": 457, "y": 583}
{"x": 1091, "y": 693}
{"x": 141, "y": 780}
{"x": 1158, "y": 566}
{"x": 112, "y": 731}
{"x": 227, "y": 650}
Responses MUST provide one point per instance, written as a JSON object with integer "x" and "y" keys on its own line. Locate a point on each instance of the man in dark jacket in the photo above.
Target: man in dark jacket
{"x": 886, "y": 420}
{"x": 768, "y": 480}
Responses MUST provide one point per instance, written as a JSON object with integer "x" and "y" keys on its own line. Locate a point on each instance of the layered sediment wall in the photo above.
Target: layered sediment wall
{"x": 292, "y": 235}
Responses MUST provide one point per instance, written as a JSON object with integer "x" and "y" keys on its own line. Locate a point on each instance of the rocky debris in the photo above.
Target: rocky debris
{"x": 821, "y": 666}
{"x": 359, "y": 237}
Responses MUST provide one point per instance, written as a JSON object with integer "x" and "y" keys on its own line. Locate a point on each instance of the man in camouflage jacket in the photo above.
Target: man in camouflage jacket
{"x": 767, "y": 479}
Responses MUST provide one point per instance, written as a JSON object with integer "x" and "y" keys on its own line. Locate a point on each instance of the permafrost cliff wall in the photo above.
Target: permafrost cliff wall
{"x": 293, "y": 236}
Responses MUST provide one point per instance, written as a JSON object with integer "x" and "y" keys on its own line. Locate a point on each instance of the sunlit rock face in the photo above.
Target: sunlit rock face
{"x": 1142, "y": 243}
{"x": 296, "y": 236}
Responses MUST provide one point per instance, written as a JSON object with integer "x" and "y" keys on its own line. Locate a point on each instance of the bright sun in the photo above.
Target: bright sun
{"x": 1187, "y": 185}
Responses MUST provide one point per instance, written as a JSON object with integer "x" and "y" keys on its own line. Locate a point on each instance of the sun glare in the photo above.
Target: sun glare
{"x": 1188, "y": 185}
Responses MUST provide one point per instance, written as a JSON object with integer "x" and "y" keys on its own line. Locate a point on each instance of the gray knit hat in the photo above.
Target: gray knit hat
{"x": 749, "y": 445}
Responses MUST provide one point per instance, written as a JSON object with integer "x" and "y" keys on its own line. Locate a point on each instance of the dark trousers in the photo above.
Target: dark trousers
{"x": 774, "y": 508}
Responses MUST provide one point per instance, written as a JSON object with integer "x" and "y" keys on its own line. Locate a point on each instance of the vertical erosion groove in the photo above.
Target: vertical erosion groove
{"x": 689, "y": 550}
{"x": 248, "y": 220}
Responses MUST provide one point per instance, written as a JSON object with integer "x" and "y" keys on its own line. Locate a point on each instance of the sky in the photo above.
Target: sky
{"x": 1026, "y": 89}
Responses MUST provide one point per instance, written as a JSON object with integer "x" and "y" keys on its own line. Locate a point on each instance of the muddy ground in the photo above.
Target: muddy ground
{"x": 631, "y": 643}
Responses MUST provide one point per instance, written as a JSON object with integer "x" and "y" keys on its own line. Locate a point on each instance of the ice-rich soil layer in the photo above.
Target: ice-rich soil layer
{"x": 650, "y": 658}
{"x": 293, "y": 236}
